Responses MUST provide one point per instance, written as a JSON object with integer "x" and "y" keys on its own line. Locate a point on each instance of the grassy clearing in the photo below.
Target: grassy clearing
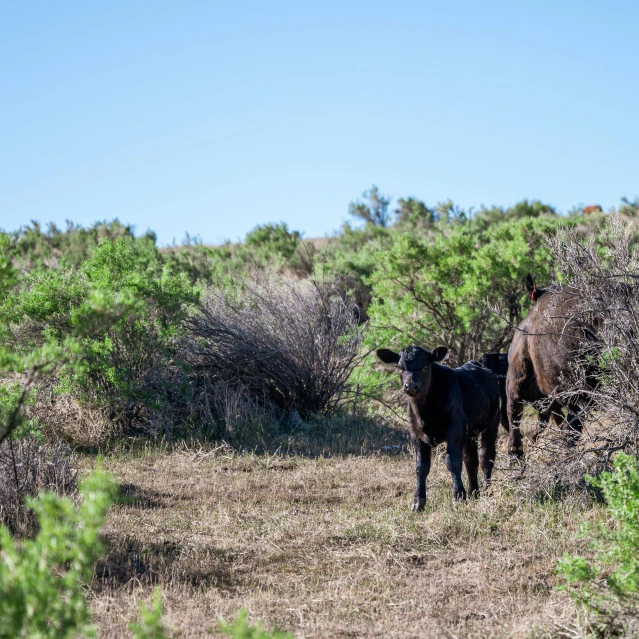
{"x": 327, "y": 547}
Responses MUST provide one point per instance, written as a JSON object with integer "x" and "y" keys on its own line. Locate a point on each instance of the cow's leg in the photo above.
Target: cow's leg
{"x": 471, "y": 462}
{"x": 503, "y": 406}
{"x": 556, "y": 414}
{"x": 515, "y": 411}
{"x": 553, "y": 413}
{"x": 487, "y": 453}
{"x": 544, "y": 416}
{"x": 574, "y": 422}
{"x": 454, "y": 465}
{"x": 520, "y": 385}
{"x": 422, "y": 468}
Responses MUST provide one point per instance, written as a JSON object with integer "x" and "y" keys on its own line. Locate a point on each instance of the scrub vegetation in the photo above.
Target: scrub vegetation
{"x": 259, "y": 465}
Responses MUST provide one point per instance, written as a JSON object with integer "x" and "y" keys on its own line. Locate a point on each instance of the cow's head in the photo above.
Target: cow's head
{"x": 414, "y": 366}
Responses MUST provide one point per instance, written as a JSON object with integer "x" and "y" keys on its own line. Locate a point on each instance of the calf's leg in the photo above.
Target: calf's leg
{"x": 503, "y": 405}
{"x": 454, "y": 465}
{"x": 487, "y": 453}
{"x": 422, "y": 468}
{"x": 472, "y": 464}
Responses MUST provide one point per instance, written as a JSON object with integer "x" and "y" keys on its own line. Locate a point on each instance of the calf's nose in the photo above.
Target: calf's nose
{"x": 410, "y": 387}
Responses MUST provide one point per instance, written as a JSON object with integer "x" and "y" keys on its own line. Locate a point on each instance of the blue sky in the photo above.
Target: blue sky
{"x": 213, "y": 117}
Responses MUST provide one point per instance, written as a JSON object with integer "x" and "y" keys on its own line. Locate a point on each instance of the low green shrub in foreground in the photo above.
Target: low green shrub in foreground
{"x": 608, "y": 585}
{"x": 42, "y": 580}
{"x": 150, "y": 626}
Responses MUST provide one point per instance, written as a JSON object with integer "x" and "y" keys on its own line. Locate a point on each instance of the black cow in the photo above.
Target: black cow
{"x": 498, "y": 364}
{"x": 448, "y": 405}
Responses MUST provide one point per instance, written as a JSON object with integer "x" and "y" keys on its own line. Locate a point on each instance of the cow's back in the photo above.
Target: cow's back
{"x": 479, "y": 393}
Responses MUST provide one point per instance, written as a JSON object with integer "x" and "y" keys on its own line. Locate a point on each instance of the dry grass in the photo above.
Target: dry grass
{"x": 67, "y": 419}
{"x": 327, "y": 547}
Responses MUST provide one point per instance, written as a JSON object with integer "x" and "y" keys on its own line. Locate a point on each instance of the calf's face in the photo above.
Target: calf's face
{"x": 413, "y": 366}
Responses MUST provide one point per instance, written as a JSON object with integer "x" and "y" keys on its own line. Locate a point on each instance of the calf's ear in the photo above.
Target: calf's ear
{"x": 387, "y": 356}
{"x": 439, "y": 353}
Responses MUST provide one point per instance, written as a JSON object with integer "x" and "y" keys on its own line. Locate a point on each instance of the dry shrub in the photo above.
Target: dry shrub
{"x": 603, "y": 271}
{"x": 285, "y": 350}
{"x": 28, "y": 467}
{"x": 88, "y": 423}
{"x": 66, "y": 418}
{"x": 554, "y": 469}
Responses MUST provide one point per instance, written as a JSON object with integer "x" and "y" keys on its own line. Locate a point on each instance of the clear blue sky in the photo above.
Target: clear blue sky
{"x": 212, "y": 117}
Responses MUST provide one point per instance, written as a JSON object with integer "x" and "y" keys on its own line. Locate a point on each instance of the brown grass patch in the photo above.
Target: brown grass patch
{"x": 329, "y": 548}
{"x": 66, "y": 418}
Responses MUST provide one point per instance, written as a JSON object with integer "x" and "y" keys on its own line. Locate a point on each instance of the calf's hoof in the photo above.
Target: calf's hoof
{"x": 418, "y": 504}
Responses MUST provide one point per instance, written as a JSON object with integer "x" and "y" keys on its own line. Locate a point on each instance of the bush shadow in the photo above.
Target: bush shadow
{"x": 131, "y": 562}
{"x": 317, "y": 436}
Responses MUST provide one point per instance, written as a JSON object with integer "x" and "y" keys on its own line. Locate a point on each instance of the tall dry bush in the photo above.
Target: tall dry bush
{"x": 283, "y": 349}
{"x": 602, "y": 269}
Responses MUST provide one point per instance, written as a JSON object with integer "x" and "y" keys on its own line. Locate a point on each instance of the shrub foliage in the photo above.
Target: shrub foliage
{"x": 608, "y": 584}
{"x": 42, "y": 580}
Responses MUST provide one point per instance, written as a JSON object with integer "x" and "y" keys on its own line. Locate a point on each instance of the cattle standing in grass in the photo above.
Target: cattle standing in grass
{"x": 498, "y": 364}
{"x": 544, "y": 346}
{"x": 454, "y": 406}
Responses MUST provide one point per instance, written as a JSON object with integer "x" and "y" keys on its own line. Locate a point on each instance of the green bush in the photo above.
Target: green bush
{"x": 267, "y": 247}
{"x": 273, "y": 239}
{"x": 123, "y": 309}
{"x": 32, "y": 246}
{"x": 443, "y": 289}
{"x": 608, "y": 584}
{"x": 42, "y": 580}
{"x": 197, "y": 261}
{"x": 8, "y": 273}
{"x": 28, "y": 464}
{"x": 240, "y": 628}
{"x": 150, "y": 626}
{"x": 439, "y": 290}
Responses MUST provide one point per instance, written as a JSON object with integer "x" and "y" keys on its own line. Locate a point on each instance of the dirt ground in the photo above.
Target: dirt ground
{"x": 328, "y": 547}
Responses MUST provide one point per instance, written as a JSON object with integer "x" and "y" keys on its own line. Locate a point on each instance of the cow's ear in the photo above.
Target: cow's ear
{"x": 387, "y": 356}
{"x": 530, "y": 283}
{"x": 439, "y": 353}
